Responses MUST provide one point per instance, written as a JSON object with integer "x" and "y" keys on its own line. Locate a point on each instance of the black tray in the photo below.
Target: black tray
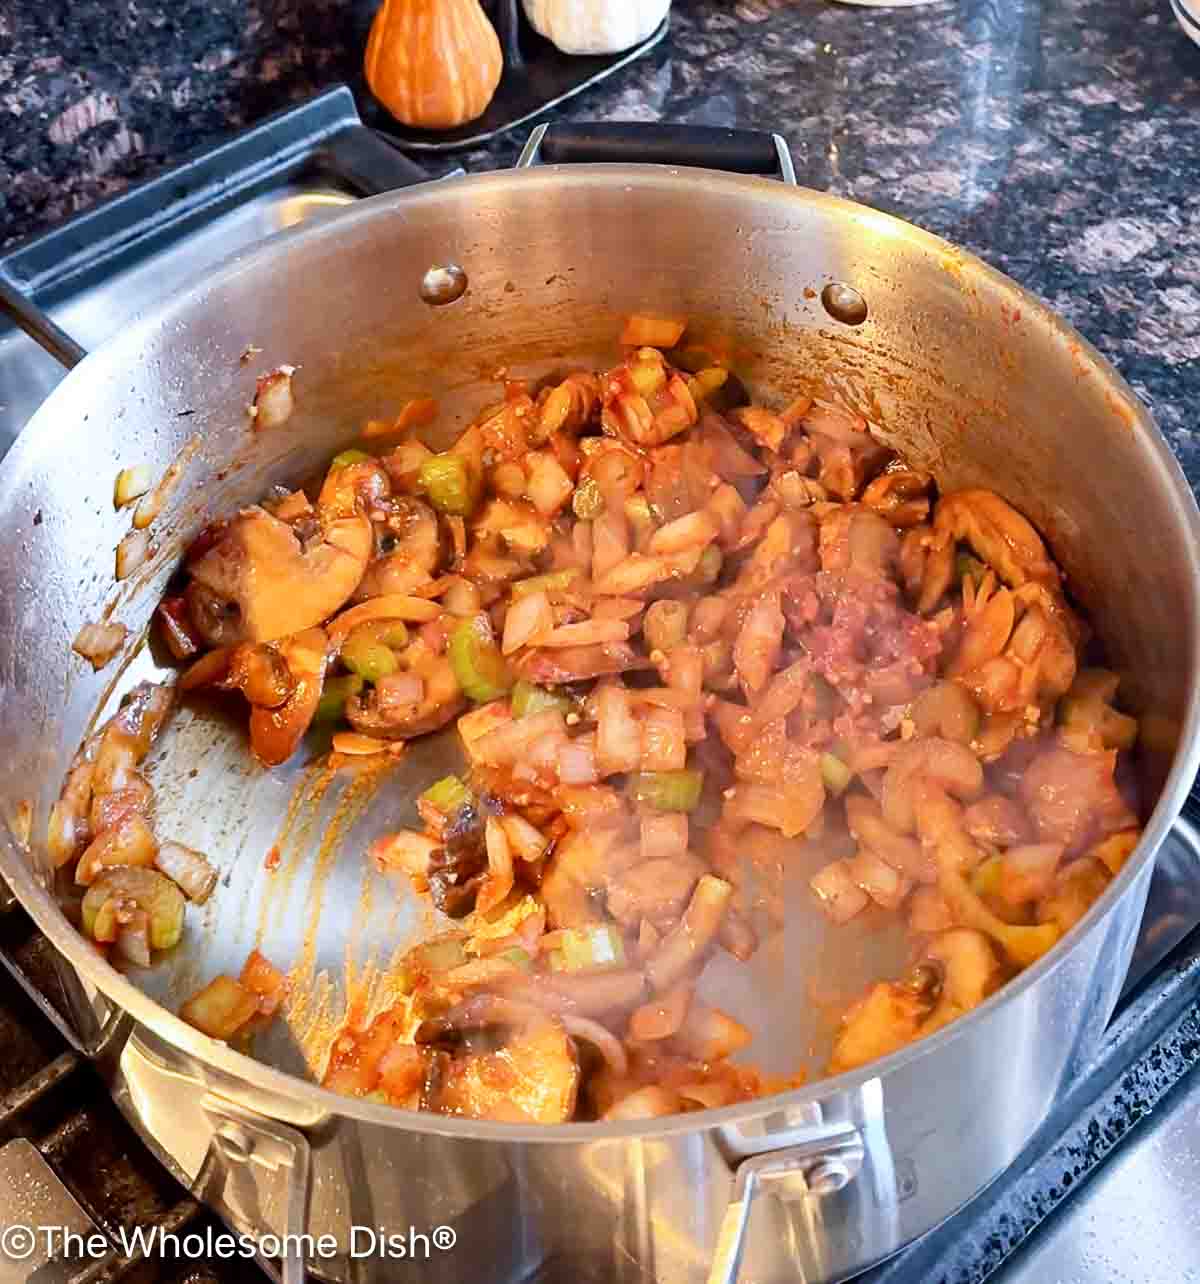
{"x": 536, "y": 77}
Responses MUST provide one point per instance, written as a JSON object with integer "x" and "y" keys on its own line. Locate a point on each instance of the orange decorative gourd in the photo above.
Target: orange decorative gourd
{"x": 434, "y": 64}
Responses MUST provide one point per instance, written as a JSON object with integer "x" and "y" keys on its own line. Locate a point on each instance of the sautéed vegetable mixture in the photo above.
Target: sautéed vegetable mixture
{"x": 674, "y": 632}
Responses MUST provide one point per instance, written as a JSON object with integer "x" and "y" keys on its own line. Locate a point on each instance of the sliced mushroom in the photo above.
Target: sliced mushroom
{"x": 260, "y": 672}
{"x": 375, "y": 714}
{"x": 970, "y": 972}
{"x": 257, "y": 583}
{"x": 354, "y": 488}
{"x": 533, "y": 1078}
{"x": 276, "y": 732}
{"x": 409, "y": 544}
{"x": 216, "y": 619}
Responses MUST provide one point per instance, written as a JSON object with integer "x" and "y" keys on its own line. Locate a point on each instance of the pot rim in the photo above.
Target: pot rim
{"x": 970, "y": 270}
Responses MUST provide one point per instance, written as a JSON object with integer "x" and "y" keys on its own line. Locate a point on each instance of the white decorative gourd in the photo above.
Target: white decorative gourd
{"x": 595, "y": 26}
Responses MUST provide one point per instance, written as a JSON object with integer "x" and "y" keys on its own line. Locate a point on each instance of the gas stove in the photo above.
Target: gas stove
{"x": 1116, "y": 1161}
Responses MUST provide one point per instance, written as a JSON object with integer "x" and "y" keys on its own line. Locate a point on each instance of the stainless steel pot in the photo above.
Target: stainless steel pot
{"x": 967, "y": 374}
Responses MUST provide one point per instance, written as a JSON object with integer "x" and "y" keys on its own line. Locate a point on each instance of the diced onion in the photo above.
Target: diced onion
{"x": 652, "y": 332}
{"x": 694, "y": 530}
{"x": 131, "y": 484}
{"x": 600, "y": 1037}
{"x": 413, "y": 414}
{"x": 133, "y": 939}
{"x": 586, "y": 633}
{"x": 506, "y": 744}
{"x": 838, "y": 892}
{"x": 273, "y": 399}
{"x": 221, "y": 1008}
{"x": 652, "y": 1102}
{"x": 577, "y": 762}
{"x": 618, "y": 736}
{"x": 67, "y": 828}
{"x": 664, "y": 835}
{"x": 635, "y": 573}
{"x": 526, "y": 619}
{"x": 128, "y": 843}
{"x": 499, "y": 881}
{"x": 662, "y": 1016}
{"x": 154, "y": 501}
{"x": 685, "y": 945}
{"x": 883, "y": 884}
{"x": 789, "y": 808}
{"x": 405, "y": 850}
{"x": 98, "y": 643}
{"x": 188, "y": 869}
{"x": 664, "y": 742}
{"x": 1027, "y": 872}
{"x": 708, "y": 1034}
{"x": 131, "y": 553}
{"x": 549, "y": 487}
{"x": 527, "y": 841}
{"x": 264, "y": 980}
{"x": 402, "y": 1071}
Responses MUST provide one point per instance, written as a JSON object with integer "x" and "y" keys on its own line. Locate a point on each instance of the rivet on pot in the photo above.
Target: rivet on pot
{"x": 443, "y": 284}
{"x": 844, "y": 303}
{"x": 827, "y": 1176}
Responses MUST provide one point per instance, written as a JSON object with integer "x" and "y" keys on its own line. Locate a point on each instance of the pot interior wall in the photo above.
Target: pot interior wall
{"x": 960, "y": 372}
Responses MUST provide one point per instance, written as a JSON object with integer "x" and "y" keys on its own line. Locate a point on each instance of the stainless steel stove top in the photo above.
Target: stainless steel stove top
{"x": 1105, "y": 1190}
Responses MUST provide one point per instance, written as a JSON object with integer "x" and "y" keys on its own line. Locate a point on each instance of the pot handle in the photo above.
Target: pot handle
{"x": 243, "y": 1140}
{"x": 56, "y": 341}
{"x": 740, "y": 151}
{"x": 825, "y": 1165}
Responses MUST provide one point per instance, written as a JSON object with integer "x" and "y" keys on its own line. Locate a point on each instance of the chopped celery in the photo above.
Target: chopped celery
{"x": 665, "y": 625}
{"x": 1089, "y": 714}
{"x": 639, "y": 516}
{"x": 668, "y": 790}
{"x": 835, "y": 773}
{"x": 587, "y": 502}
{"x": 584, "y": 947}
{"x": 346, "y": 458}
{"x": 450, "y": 483}
{"x": 528, "y": 698}
{"x": 709, "y": 568}
{"x": 447, "y": 794}
{"x": 823, "y": 701}
{"x": 371, "y": 660}
{"x": 707, "y": 381}
{"x": 442, "y": 954}
{"x": 481, "y": 670}
{"x": 393, "y": 633}
{"x": 149, "y": 890}
{"x": 985, "y": 877}
{"x": 648, "y": 377}
{"x": 335, "y": 694}
{"x": 1116, "y": 849}
{"x": 552, "y": 582}
{"x": 966, "y": 566}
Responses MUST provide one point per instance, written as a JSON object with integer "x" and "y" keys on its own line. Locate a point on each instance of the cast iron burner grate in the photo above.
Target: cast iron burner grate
{"x": 100, "y": 1177}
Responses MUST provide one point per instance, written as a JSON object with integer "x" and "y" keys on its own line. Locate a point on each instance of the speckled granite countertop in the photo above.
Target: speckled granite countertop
{"x": 1059, "y": 139}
